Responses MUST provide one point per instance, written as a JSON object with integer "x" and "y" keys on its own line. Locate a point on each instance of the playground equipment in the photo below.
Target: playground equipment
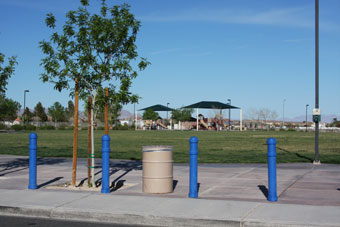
{"x": 157, "y": 169}
{"x": 205, "y": 125}
{"x": 148, "y": 124}
{"x": 272, "y": 190}
{"x": 159, "y": 122}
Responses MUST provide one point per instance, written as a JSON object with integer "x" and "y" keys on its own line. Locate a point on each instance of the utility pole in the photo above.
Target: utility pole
{"x": 25, "y": 105}
{"x": 316, "y": 155}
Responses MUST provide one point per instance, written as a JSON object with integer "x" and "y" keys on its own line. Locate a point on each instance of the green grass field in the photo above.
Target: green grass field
{"x": 214, "y": 147}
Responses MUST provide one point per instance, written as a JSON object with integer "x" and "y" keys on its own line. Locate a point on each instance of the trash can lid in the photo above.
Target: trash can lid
{"x": 157, "y": 148}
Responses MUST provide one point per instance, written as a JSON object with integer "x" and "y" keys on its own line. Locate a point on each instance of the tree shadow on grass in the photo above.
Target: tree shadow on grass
{"x": 19, "y": 164}
{"x": 297, "y": 154}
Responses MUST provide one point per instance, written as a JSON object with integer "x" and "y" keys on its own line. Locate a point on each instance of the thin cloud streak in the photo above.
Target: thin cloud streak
{"x": 293, "y": 17}
{"x": 294, "y": 40}
{"x": 201, "y": 54}
{"x": 277, "y": 16}
{"x": 166, "y": 51}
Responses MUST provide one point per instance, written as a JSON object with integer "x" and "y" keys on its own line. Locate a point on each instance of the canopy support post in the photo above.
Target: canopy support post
{"x": 240, "y": 119}
{"x": 197, "y": 119}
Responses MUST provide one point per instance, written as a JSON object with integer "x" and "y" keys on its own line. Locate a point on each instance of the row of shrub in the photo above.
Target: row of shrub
{"x": 23, "y": 127}
{"x": 2, "y": 126}
{"x": 62, "y": 127}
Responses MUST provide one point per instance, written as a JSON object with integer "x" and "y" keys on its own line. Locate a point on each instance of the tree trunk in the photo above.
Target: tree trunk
{"x": 89, "y": 146}
{"x": 92, "y": 142}
{"x": 75, "y": 134}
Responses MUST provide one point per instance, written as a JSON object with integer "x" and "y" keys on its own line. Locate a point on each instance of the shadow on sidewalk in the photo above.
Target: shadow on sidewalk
{"x": 297, "y": 154}
{"x": 264, "y": 190}
{"x": 81, "y": 183}
{"x": 19, "y": 164}
{"x": 124, "y": 165}
{"x": 49, "y": 182}
{"x": 174, "y": 184}
{"x": 114, "y": 185}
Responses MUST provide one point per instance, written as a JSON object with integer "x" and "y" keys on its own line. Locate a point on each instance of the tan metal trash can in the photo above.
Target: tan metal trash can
{"x": 157, "y": 169}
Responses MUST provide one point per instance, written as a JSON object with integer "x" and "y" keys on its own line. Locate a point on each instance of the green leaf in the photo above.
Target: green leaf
{"x": 97, "y": 48}
{"x": 50, "y": 20}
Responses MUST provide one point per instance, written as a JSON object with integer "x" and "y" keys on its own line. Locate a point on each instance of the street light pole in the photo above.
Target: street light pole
{"x": 25, "y": 104}
{"x": 134, "y": 114}
{"x": 306, "y": 117}
{"x": 283, "y": 113}
{"x": 316, "y": 156}
{"x": 229, "y": 103}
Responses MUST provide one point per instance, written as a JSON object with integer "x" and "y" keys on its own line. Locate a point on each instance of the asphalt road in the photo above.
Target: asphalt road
{"x": 14, "y": 221}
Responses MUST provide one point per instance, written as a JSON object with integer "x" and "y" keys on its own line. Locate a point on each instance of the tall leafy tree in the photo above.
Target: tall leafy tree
{"x": 94, "y": 49}
{"x": 57, "y": 112}
{"x": 27, "y": 115}
{"x": 69, "y": 109}
{"x": 150, "y": 114}
{"x": 335, "y": 123}
{"x": 181, "y": 114}
{"x": 39, "y": 111}
{"x": 6, "y": 71}
{"x": 8, "y": 107}
{"x": 115, "y": 111}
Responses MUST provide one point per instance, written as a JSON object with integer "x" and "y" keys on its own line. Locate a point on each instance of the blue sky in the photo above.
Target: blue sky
{"x": 256, "y": 53}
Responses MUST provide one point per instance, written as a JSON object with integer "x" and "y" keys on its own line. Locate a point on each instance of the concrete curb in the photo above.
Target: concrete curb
{"x": 71, "y": 214}
{"x": 66, "y": 214}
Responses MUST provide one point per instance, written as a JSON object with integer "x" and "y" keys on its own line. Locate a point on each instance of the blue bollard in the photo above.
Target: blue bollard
{"x": 272, "y": 191}
{"x": 32, "y": 161}
{"x": 105, "y": 164}
{"x": 193, "y": 167}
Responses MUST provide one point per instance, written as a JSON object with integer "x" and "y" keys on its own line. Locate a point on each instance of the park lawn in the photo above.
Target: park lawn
{"x": 213, "y": 147}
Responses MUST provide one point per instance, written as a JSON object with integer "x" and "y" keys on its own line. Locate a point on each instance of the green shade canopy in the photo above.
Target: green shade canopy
{"x": 211, "y": 105}
{"x": 158, "y": 108}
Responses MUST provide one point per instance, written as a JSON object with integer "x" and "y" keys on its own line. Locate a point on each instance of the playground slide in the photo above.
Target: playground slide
{"x": 148, "y": 123}
{"x": 161, "y": 124}
{"x": 204, "y": 124}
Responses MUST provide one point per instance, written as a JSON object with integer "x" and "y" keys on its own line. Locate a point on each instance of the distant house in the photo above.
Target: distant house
{"x": 16, "y": 122}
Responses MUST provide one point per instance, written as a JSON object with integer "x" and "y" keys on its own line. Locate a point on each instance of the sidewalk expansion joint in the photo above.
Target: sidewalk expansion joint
{"x": 83, "y": 197}
{"x": 296, "y": 180}
{"x": 249, "y": 213}
{"x": 245, "y": 172}
{"x": 230, "y": 178}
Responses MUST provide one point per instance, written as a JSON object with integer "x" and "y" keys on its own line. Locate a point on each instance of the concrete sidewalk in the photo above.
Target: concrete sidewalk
{"x": 234, "y": 195}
